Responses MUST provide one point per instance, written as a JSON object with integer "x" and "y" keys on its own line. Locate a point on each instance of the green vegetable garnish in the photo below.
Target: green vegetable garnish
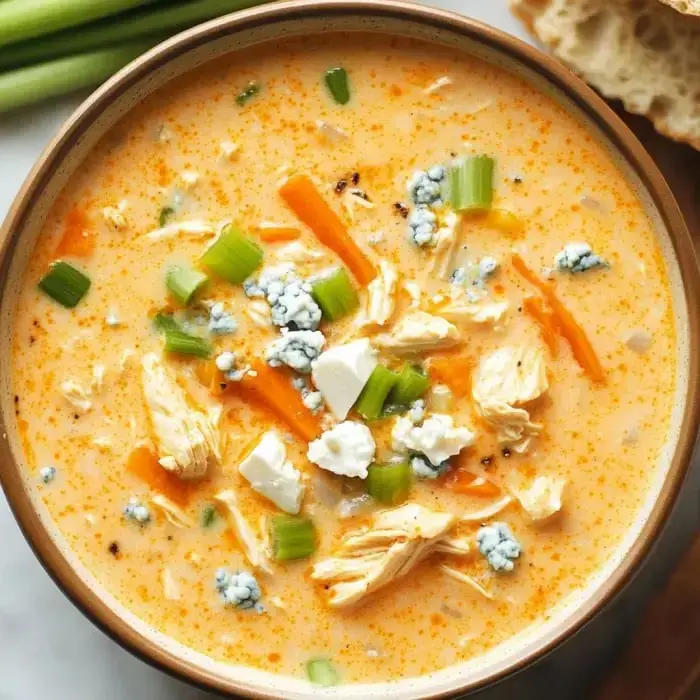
{"x": 471, "y": 183}
{"x": 209, "y": 515}
{"x": 232, "y": 256}
{"x": 248, "y": 93}
{"x": 389, "y": 484}
{"x": 65, "y": 284}
{"x": 337, "y": 82}
{"x": 184, "y": 283}
{"x": 165, "y": 322}
{"x": 371, "y": 401}
{"x": 411, "y": 385}
{"x": 179, "y": 341}
{"x": 166, "y": 213}
{"x": 322, "y": 672}
{"x": 293, "y": 537}
{"x": 335, "y": 295}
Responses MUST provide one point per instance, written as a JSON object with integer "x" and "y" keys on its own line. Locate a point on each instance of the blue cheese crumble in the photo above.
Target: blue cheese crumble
{"x": 475, "y": 274}
{"x": 239, "y": 589}
{"x": 47, "y": 474}
{"x": 498, "y": 544}
{"x": 221, "y": 322}
{"x": 289, "y": 297}
{"x": 423, "y": 468}
{"x": 422, "y": 225}
{"x": 313, "y": 400}
{"x": 578, "y": 257}
{"x": 425, "y": 187}
{"x": 135, "y": 511}
{"x": 296, "y": 349}
{"x": 226, "y": 363}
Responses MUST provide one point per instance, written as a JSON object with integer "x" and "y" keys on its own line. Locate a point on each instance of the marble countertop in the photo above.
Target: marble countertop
{"x": 49, "y": 650}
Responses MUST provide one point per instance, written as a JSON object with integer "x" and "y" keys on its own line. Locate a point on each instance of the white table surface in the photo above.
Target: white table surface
{"x": 49, "y": 650}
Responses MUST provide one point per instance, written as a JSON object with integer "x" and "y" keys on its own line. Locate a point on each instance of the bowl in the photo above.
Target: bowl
{"x": 238, "y": 31}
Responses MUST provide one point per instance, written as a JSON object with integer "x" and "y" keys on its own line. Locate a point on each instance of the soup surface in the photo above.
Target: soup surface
{"x": 511, "y": 334}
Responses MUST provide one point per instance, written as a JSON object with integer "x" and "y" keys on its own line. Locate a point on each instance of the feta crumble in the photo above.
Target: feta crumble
{"x": 296, "y": 349}
{"x": 416, "y": 412}
{"x": 221, "y": 322}
{"x": 436, "y": 438}
{"x": 498, "y": 544}
{"x": 240, "y": 589}
{"x": 423, "y": 468}
{"x": 135, "y": 511}
{"x": 578, "y": 257}
{"x": 347, "y": 449}
{"x": 47, "y": 474}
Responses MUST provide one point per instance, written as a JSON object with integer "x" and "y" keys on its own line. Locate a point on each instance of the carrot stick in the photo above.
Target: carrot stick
{"x": 278, "y": 234}
{"x": 545, "y": 320}
{"x": 273, "y": 390}
{"x": 77, "y": 240}
{"x": 143, "y": 464}
{"x": 302, "y": 197}
{"x": 463, "y": 481}
{"x": 453, "y": 370}
{"x": 567, "y": 325}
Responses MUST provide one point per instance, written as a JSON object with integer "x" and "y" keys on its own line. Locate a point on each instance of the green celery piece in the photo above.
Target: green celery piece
{"x": 184, "y": 283}
{"x": 389, "y": 484}
{"x": 65, "y": 284}
{"x": 166, "y": 213}
{"x": 471, "y": 183}
{"x": 321, "y": 671}
{"x": 411, "y": 385}
{"x": 209, "y": 515}
{"x": 335, "y": 295}
{"x": 337, "y": 82}
{"x": 232, "y": 256}
{"x": 371, "y": 400}
{"x": 247, "y": 94}
{"x": 293, "y": 537}
{"x": 182, "y": 343}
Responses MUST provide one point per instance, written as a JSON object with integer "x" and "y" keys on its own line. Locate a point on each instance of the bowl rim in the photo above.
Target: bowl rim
{"x": 89, "y": 601}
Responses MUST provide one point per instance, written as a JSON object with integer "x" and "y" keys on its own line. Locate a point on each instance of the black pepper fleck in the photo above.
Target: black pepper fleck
{"x": 517, "y": 180}
{"x": 487, "y": 460}
{"x": 76, "y": 416}
{"x": 340, "y": 186}
{"x": 170, "y": 537}
{"x": 401, "y": 209}
{"x": 16, "y": 398}
{"x": 355, "y": 178}
{"x": 114, "y": 549}
{"x": 506, "y": 452}
{"x": 222, "y": 386}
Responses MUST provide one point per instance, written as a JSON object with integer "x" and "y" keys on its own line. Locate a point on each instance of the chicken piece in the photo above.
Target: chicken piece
{"x": 505, "y": 381}
{"x": 447, "y": 240}
{"x": 482, "y": 312}
{"x": 252, "y": 547}
{"x": 76, "y": 395}
{"x": 418, "y": 331}
{"x": 380, "y": 301}
{"x": 187, "y": 439}
{"x": 172, "y": 512}
{"x": 542, "y": 499}
{"x": 372, "y": 558}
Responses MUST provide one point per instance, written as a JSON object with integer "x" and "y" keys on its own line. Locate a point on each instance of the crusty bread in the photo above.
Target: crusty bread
{"x": 687, "y": 7}
{"x": 639, "y": 51}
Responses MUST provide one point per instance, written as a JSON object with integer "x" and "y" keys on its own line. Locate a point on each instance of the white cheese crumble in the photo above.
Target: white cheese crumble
{"x": 229, "y": 150}
{"x": 135, "y": 511}
{"x": 347, "y": 449}
{"x": 313, "y": 400}
{"x": 498, "y": 544}
{"x": 47, "y": 474}
{"x": 437, "y": 438}
{"x": 239, "y": 589}
{"x": 270, "y": 473}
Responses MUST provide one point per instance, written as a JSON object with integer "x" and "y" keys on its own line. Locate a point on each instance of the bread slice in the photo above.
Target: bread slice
{"x": 639, "y": 51}
{"x": 687, "y": 7}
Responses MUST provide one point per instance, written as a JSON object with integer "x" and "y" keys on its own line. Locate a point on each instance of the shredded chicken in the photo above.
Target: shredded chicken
{"x": 446, "y": 246}
{"x": 98, "y": 378}
{"x": 297, "y": 252}
{"x": 380, "y": 301}
{"x": 252, "y": 547}
{"x": 114, "y": 216}
{"x": 329, "y": 133}
{"x": 195, "y": 227}
{"x": 172, "y": 512}
{"x": 414, "y": 292}
{"x": 76, "y": 395}
{"x": 542, "y": 499}
{"x": 505, "y": 381}
{"x": 495, "y": 508}
{"x": 372, "y": 558}
{"x": 481, "y": 312}
{"x": 418, "y": 331}
{"x": 187, "y": 439}
{"x": 442, "y": 82}
{"x": 464, "y": 578}
{"x": 259, "y": 313}
{"x": 171, "y": 591}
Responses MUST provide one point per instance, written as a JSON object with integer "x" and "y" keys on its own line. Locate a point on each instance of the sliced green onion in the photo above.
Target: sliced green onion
{"x": 471, "y": 183}
{"x": 411, "y": 385}
{"x": 232, "y": 256}
{"x": 165, "y": 322}
{"x": 293, "y": 537}
{"x": 251, "y": 90}
{"x": 185, "y": 344}
{"x": 389, "y": 484}
{"x": 184, "y": 283}
{"x": 335, "y": 295}
{"x": 322, "y": 672}
{"x": 166, "y": 213}
{"x": 65, "y": 284}
{"x": 337, "y": 82}
{"x": 371, "y": 401}
{"x": 209, "y": 515}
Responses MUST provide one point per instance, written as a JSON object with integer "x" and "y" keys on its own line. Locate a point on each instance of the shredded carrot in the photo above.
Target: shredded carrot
{"x": 273, "y": 390}
{"x": 78, "y": 240}
{"x": 302, "y": 197}
{"x": 566, "y": 324}
{"x": 545, "y": 320}
{"x": 453, "y": 370}
{"x": 278, "y": 234}
{"x": 462, "y": 480}
{"x": 143, "y": 463}
{"x": 206, "y": 371}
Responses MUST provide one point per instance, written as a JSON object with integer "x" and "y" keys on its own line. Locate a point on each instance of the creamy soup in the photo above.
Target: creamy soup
{"x": 374, "y": 367}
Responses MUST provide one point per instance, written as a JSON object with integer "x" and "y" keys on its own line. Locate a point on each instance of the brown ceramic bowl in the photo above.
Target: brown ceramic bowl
{"x": 203, "y": 43}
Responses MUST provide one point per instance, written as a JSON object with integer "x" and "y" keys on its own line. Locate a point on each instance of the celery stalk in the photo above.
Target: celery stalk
{"x": 371, "y": 401}
{"x": 157, "y": 21}
{"x": 322, "y": 672}
{"x": 389, "y": 484}
{"x": 26, "y": 86}
{"x": 23, "y": 19}
{"x": 471, "y": 183}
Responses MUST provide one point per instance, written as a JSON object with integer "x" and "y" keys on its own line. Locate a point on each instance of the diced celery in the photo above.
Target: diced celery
{"x": 471, "y": 183}
{"x": 184, "y": 344}
{"x": 389, "y": 484}
{"x": 371, "y": 401}
{"x": 322, "y": 672}
{"x": 65, "y": 284}
{"x": 412, "y": 383}
{"x": 335, "y": 295}
{"x": 293, "y": 537}
{"x": 232, "y": 256}
{"x": 185, "y": 282}
{"x": 337, "y": 82}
